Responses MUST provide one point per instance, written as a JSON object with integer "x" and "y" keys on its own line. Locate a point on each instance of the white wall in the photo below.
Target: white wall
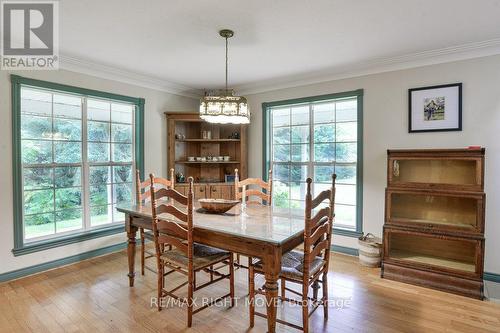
{"x": 386, "y": 126}
{"x": 155, "y": 145}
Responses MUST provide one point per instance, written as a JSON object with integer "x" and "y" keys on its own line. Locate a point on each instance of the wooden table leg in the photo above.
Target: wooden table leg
{"x": 131, "y": 234}
{"x": 272, "y": 268}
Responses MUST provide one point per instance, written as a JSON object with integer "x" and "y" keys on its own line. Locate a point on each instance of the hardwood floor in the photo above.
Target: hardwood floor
{"x": 93, "y": 296}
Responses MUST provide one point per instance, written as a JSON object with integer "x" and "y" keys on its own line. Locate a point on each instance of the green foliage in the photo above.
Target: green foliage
{"x": 39, "y": 201}
{"x": 67, "y": 129}
{"x": 122, "y": 174}
{"x": 68, "y": 198}
{"x": 34, "y": 127}
{"x": 99, "y": 175}
{"x": 280, "y": 199}
{"x": 123, "y": 193}
{"x": 98, "y": 131}
{"x": 36, "y": 152}
{"x": 67, "y": 176}
{"x": 121, "y": 133}
{"x": 122, "y": 152}
{"x": 99, "y": 195}
{"x": 37, "y": 178}
{"x": 67, "y": 152}
{"x": 54, "y": 195}
{"x": 39, "y": 219}
{"x": 98, "y": 152}
{"x": 334, "y": 144}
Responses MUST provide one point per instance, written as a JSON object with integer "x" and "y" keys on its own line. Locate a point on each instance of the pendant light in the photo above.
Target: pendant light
{"x": 223, "y": 107}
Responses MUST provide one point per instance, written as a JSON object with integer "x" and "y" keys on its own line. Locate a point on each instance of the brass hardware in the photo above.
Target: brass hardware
{"x": 395, "y": 168}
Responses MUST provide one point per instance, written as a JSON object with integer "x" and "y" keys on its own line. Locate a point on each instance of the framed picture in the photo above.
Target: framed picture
{"x": 229, "y": 178}
{"x": 435, "y": 109}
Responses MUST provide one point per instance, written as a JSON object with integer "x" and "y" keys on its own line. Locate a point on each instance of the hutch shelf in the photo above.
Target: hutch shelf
{"x": 434, "y": 219}
{"x": 185, "y": 139}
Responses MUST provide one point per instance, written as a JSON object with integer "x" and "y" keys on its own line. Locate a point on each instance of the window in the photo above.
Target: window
{"x": 74, "y": 161}
{"x": 315, "y": 137}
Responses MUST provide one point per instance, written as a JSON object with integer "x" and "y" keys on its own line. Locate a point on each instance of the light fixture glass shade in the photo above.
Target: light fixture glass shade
{"x": 224, "y": 108}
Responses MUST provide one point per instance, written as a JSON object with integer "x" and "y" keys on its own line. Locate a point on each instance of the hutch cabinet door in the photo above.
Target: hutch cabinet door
{"x": 221, "y": 192}
{"x": 200, "y": 191}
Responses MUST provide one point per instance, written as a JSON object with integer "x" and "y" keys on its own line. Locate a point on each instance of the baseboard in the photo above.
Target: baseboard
{"x": 60, "y": 262}
{"x": 492, "y": 277}
{"x": 345, "y": 250}
{"x": 117, "y": 247}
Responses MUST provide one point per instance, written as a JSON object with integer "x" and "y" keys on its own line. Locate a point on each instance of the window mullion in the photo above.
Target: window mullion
{"x": 335, "y": 138}
{"x": 111, "y": 194}
{"x": 53, "y": 161}
{"x": 85, "y": 180}
{"x": 310, "y": 171}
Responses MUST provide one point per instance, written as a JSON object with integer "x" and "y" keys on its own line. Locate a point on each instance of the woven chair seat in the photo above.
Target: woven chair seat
{"x": 292, "y": 265}
{"x": 203, "y": 256}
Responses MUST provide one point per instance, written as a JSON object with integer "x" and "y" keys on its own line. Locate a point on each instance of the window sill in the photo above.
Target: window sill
{"x": 347, "y": 233}
{"x": 70, "y": 239}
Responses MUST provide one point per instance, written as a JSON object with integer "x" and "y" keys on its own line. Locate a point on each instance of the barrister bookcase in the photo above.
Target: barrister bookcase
{"x": 434, "y": 219}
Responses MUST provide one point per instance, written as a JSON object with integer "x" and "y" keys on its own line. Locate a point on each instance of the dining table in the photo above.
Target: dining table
{"x": 257, "y": 231}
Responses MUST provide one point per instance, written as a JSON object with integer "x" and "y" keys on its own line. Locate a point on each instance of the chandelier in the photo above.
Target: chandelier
{"x": 223, "y": 107}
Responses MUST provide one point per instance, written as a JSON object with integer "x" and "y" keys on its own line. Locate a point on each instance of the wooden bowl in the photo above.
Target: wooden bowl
{"x": 217, "y": 206}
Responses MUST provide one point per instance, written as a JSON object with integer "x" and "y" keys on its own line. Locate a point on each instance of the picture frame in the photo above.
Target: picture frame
{"x": 229, "y": 178}
{"x": 435, "y": 108}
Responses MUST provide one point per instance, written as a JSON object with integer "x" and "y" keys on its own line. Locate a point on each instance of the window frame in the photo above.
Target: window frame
{"x": 20, "y": 246}
{"x": 266, "y": 147}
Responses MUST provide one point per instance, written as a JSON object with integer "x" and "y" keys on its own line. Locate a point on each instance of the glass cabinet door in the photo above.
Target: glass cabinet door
{"x": 436, "y": 210}
{"x": 450, "y": 173}
{"x": 424, "y": 250}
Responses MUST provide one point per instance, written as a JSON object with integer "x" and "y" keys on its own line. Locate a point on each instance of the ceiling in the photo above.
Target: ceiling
{"x": 176, "y": 44}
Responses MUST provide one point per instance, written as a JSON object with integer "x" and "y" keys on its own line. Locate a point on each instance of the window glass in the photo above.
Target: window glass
{"x": 55, "y": 128}
{"x": 295, "y": 155}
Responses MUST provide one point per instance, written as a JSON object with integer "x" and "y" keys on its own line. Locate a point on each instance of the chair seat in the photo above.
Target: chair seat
{"x": 292, "y": 265}
{"x": 203, "y": 256}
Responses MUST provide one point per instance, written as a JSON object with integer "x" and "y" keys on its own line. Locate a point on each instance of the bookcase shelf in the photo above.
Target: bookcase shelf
{"x": 185, "y": 139}
{"x": 208, "y": 140}
{"x": 207, "y": 162}
{"x": 435, "y": 261}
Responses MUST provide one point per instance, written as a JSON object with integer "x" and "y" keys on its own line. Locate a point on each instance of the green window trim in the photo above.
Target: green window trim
{"x": 20, "y": 248}
{"x": 266, "y": 163}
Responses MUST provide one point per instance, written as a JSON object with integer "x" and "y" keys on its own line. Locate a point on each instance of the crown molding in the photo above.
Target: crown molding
{"x": 116, "y": 74}
{"x": 374, "y": 66}
{"x": 379, "y": 65}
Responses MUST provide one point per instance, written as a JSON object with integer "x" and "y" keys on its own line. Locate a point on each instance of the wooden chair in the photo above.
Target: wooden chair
{"x": 305, "y": 267}
{"x": 247, "y": 186}
{"x": 143, "y": 194}
{"x": 175, "y": 228}
{"x": 250, "y": 192}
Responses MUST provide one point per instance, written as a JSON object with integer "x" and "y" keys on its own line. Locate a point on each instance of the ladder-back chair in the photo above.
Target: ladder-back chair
{"x": 143, "y": 195}
{"x": 174, "y": 227}
{"x": 253, "y": 187}
{"x": 253, "y": 190}
{"x": 308, "y": 266}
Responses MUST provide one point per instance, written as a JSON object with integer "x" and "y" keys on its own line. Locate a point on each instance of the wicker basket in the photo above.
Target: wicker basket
{"x": 370, "y": 250}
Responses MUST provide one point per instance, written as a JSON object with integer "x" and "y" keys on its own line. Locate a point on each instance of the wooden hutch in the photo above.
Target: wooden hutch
{"x": 185, "y": 139}
{"x": 434, "y": 219}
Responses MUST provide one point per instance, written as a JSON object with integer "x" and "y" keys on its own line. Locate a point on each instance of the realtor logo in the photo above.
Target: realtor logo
{"x": 30, "y": 35}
